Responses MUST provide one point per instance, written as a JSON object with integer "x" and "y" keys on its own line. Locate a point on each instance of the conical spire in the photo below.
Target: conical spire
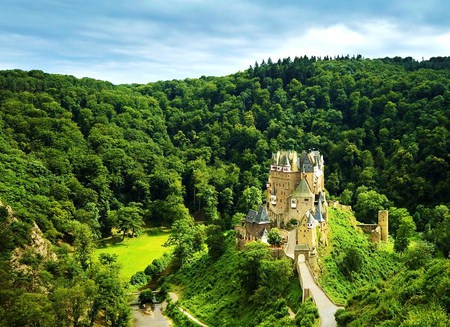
{"x": 318, "y": 215}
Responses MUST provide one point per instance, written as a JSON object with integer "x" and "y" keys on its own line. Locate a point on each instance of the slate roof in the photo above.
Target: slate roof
{"x": 318, "y": 215}
{"x": 258, "y": 217}
{"x": 310, "y": 218}
{"x": 303, "y": 190}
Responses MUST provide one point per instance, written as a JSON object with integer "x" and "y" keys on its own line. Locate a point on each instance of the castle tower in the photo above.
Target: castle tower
{"x": 383, "y": 223}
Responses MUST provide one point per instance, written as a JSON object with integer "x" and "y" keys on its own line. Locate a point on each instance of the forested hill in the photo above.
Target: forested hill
{"x": 80, "y": 149}
{"x": 79, "y": 157}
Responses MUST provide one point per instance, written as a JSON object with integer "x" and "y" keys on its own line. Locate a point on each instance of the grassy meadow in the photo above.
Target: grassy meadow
{"x": 134, "y": 254}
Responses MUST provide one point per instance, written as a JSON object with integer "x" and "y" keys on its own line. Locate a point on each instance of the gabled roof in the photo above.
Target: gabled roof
{"x": 303, "y": 190}
{"x": 259, "y": 217}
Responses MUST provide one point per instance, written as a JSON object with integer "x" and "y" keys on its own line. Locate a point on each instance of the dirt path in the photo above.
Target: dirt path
{"x": 175, "y": 297}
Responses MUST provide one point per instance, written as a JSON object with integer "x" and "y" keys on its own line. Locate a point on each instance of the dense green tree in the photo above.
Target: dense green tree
{"x": 129, "y": 218}
{"x": 274, "y": 237}
{"x": 187, "y": 238}
{"x": 77, "y": 150}
{"x": 215, "y": 240}
{"x": 367, "y": 205}
{"x": 83, "y": 243}
{"x": 251, "y": 259}
{"x": 351, "y": 261}
{"x": 251, "y": 199}
{"x": 404, "y": 233}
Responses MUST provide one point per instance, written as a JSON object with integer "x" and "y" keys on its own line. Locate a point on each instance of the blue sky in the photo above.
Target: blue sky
{"x": 140, "y": 41}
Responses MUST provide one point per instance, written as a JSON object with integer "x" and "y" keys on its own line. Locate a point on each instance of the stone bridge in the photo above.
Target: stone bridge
{"x": 309, "y": 285}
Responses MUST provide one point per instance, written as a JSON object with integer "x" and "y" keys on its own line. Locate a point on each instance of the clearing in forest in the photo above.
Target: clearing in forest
{"x": 134, "y": 254}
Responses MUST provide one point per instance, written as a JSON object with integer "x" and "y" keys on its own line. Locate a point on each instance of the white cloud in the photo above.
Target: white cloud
{"x": 143, "y": 41}
{"x": 372, "y": 39}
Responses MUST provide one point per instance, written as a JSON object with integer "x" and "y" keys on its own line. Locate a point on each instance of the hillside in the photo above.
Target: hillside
{"x": 418, "y": 295}
{"x": 351, "y": 261}
{"x": 80, "y": 158}
{"x": 214, "y": 292}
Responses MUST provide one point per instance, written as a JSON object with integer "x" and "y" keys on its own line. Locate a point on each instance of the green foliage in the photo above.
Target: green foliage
{"x": 274, "y": 237}
{"x": 404, "y": 233}
{"x": 410, "y": 298}
{"x": 395, "y": 217}
{"x": 187, "y": 238}
{"x": 215, "y": 240}
{"x": 158, "y": 265}
{"x": 83, "y": 243}
{"x": 146, "y": 296}
{"x": 78, "y": 291}
{"x": 250, "y": 265}
{"x": 129, "y": 218}
{"x": 307, "y": 315}
{"x": 419, "y": 254}
{"x": 139, "y": 278}
{"x": 107, "y": 258}
{"x": 212, "y": 290}
{"x": 80, "y": 150}
{"x": 367, "y": 205}
{"x": 251, "y": 199}
{"x": 352, "y": 261}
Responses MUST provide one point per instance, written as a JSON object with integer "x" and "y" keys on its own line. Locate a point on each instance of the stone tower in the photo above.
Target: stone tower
{"x": 383, "y": 223}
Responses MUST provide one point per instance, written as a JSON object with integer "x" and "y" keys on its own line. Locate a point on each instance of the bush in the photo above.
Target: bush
{"x": 151, "y": 270}
{"x": 158, "y": 265}
{"x": 343, "y": 317}
{"x": 139, "y": 278}
{"x": 307, "y": 314}
{"x": 146, "y": 296}
{"x": 351, "y": 261}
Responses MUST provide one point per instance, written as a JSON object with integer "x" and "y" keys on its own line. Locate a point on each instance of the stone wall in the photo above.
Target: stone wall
{"x": 335, "y": 204}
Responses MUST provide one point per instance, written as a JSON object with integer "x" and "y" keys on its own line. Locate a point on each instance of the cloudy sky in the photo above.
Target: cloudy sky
{"x": 140, "y": 41}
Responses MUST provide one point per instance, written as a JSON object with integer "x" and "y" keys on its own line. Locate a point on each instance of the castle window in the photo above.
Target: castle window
{"x": 273, "y": 199}
{"x": 293, "y": 203}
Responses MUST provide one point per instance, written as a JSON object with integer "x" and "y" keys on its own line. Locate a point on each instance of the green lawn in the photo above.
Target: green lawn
{"x": 134, "y": 254}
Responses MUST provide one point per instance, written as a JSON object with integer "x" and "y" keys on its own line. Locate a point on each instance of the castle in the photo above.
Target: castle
{"x": 296, "y": 196}
{"x": 295, "y": 200}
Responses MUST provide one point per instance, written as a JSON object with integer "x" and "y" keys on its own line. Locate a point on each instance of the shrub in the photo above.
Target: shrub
{"x": 151, "y": 270}
{"x": 146, "y": 296}
{"x": 158, "y": 265}
{"x": 139, "y": 278}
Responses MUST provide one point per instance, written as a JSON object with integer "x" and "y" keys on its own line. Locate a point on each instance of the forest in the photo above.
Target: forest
{"x": 80, "y": 158}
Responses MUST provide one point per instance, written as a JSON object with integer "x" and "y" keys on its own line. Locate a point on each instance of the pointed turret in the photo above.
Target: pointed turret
{"x": 318, "y": 215}
{"x": 310, "y": 223}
